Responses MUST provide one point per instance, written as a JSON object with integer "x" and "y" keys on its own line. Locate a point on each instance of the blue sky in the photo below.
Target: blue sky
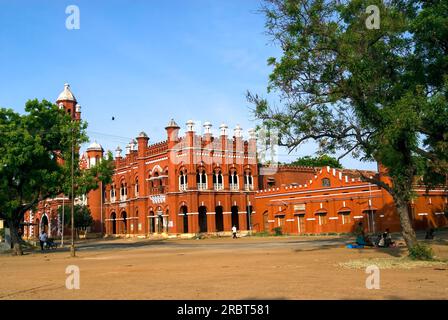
{"x": 142, "y": 62}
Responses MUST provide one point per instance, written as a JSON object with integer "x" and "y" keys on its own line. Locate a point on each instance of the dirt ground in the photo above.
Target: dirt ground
{"x": 245, "y": 268}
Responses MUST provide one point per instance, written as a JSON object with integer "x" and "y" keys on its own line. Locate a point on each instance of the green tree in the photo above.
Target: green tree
{"x": 378, "y": 94}
{"x": 35, "y": 160}
{"x": 82, "y": 216}
{"x": 319, "y": 161}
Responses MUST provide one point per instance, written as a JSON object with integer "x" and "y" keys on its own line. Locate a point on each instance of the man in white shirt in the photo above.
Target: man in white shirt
{"x": 43, "y": 239}
{"x": 234, "y": 232}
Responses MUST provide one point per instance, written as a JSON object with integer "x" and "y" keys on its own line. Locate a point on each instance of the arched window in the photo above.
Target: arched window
{"x": 183, "y": 181}
{"x": 233, "y": 180}
{"x": 112, "y": 193}
{"x": 136, "y": 188}
{"x": 156, "y": 181}
{"x": 201, "y": 179}
{"x": 218, "y": 180}
{"x": 248, "y": 181}
{"x": 123, "y": 190}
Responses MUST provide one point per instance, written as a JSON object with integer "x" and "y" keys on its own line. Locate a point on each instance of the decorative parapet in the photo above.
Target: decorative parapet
{"x": 160, "y": 198}
{"x": 338, "y": 173}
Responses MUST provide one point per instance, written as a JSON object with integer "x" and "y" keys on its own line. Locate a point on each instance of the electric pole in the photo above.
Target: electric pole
{"x": 72, "y": 247}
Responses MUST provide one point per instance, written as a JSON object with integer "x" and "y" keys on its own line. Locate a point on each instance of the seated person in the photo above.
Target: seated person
{"x": 429, "y": 234}
{"x": 378, "y": 242}
{"x": 381, "y": 242}
{"x": 387, "y": 239}
{"x": 360, "y": 241}
{"x": 359, "y": 232}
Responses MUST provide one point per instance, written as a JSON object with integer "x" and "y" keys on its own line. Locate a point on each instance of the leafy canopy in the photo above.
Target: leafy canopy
{"x": 35, "y": 158}
{"x": 319, "y": 161}
{"x": 377, "y": 94}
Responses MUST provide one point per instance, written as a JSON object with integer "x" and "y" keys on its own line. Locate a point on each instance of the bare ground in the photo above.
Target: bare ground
{"x": 245, "y": 268}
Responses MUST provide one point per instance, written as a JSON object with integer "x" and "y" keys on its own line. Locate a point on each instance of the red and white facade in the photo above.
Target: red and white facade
{"x": 205, "y": 183}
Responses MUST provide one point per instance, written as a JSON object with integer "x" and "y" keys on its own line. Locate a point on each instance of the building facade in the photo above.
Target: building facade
{"x": 206, "y": 183}
{"x": 335, "y": 201}
{"x": 183, "y": 185}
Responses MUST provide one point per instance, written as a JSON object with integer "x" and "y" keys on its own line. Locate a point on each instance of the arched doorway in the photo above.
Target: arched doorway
{"x": 152, "y": 227}
{"x": 235, "y": 218}
{"x": 124, "y": 223}
{"x": 249, "y": 221}
{"x": 219, "y": 219}
{"x": 44, "y": 224}
{"x": 159, "y": 223}
{"x": 184, "y": 218}
{"x": 113, "y": 221}
{"x": 202, "y": 217}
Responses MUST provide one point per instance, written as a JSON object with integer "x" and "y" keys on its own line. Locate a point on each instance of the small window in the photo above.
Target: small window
{"x": 325, "y": 182}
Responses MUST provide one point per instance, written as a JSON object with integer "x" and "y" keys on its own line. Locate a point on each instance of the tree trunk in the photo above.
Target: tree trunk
{"x": 15, "y": 238}
{"x": 407, "y": 230}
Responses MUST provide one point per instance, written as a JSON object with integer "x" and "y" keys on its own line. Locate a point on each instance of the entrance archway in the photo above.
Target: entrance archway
{"x": 152, "y": 227}
{"x": 249, "y": 221}
{"x": 235, "y": 218}
{"x": 159, "y": 223}
{"x": 184, "y": 218}
{"x": 124, "y": 223}
{"x": 113, "y": 222}
{"x": 202, "y": 217}
{"x": 219, "y": 219}
{"x": 44, "y": 223}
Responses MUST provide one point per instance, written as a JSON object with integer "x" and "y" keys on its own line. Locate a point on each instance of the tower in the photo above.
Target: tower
{"x": 67, "y": 100}
{"x": 172, "y": 131}
{"x": 95, "y": 197}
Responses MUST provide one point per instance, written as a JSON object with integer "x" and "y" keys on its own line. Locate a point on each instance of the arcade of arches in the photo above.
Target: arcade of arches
{"x": 202, "y": 221}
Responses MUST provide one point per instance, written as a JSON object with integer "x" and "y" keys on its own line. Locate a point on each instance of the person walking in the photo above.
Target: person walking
{"x": 234, "y": 231}
{"x": 43, "y": 239}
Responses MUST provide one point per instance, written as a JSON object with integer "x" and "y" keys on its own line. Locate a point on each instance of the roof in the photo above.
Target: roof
{"x": 172, "y": 124}
{"x": 95, "y": 146}
{"x": 66, "y": 94}
{"x": 142, "y": 135}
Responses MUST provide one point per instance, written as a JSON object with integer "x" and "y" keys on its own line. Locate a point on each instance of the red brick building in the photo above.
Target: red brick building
{"x": 205, "y": 183}
{"x": 183, "y": 185}
{"x": 334, "y": 201}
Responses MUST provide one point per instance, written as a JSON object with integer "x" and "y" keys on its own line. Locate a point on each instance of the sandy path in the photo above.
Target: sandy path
{"x": 215, "y": 269}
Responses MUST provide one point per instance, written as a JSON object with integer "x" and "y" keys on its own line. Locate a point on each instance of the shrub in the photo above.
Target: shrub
{"x": 277, "y": 231}
{"x": 2, "y": 233}
{"x": 421, "y": 251}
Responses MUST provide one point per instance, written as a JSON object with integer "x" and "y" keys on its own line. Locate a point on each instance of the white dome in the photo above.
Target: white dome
{"x": 66, "y": 94}
{"x": 171, "y": 124}
{"x": 95, "y": 146}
